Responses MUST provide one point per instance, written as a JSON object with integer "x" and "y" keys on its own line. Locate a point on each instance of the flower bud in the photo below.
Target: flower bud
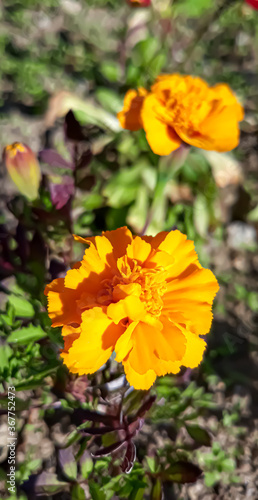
{"x": 139, "y": 3}
{"x": 23, "y": 168}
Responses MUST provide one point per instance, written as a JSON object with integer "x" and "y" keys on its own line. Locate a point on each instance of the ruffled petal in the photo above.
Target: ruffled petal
{"x": 62, "y": 307}
{"x": 125, "y": 343}
{"x": 137, "y": 380}
{"x": 188, "y": 299}
{"x": 161, "y": 137}
{"x": 138, "y": 250}
{"x": 95, "y": 344}
{"x": 195, "y": 347}
{"x": 182, "y": 251}
{"x": 130, "y": 116}
{"x": 131, "y": 307}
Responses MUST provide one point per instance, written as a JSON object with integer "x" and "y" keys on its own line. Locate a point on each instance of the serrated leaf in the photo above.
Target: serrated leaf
{"x": 199, "y": 434}
{"x": 27, "y": 334}
{"x": 22, "y": 307}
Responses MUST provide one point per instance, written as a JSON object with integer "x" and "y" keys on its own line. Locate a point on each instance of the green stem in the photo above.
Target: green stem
{"x": 168, "y": 167}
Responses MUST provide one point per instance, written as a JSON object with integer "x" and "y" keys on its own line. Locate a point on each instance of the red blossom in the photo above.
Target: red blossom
{"x": 253, "y": 3}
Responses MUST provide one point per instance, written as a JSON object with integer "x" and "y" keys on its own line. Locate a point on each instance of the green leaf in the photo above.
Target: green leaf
{"x": 211, "y": 478}
{"x": 5, "y": 354}
{"x": 109, "y": 99}
{"x": 68, "y": 463}
{"x": 252, "y": 301}
{"x": 22, "y": 307}
{"x": 111, "y": 70}
{"x": 95, "y": 491}
{"x": 252, "y": 216}
{"x": 20, "y": 404}
{"x": 122, "y": 188}
{"x": 137, "y": 493}
{"x": 78, "y": 493}
{"x": 137, "y": 214}
{"x": 146, "y": 50}
{"x": 156, "y": 493}
{"x": 199, "y": 435}
{"x": 27, "y": 334}
{"x": 86, "y": 463}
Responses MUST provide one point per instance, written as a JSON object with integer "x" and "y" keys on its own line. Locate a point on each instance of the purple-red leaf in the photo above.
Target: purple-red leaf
{"x": 54, "y": 159}
{"x": 182, "y": 472}
{"x": 129, "y": 458}
{"x": 73, "y": 129}
{"x": 61, "y": 193}
{"x": 84, "y": 160}
{"x": 146, "y": 406}
{"x": 100, "y": 431}
{"x": 102, "y": 452}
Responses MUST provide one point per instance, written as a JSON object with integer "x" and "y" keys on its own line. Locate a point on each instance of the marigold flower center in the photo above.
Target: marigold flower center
{"x": 184, "y": 111}
{"x": 152, "y": 286}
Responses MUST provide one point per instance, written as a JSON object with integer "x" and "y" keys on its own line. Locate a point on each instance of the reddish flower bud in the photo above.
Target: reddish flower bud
{"x": 23, "y": 168}
{"x": 139, "y": 3}
{"x": 253, "y": 3}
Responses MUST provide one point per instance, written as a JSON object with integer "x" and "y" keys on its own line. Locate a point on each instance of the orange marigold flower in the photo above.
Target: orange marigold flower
{"x": 184, "y": 109}
{"x": 146, "y": 298}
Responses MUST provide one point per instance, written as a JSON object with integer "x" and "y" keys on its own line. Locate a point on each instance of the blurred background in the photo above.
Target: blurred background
{"x": 84, "y": 55}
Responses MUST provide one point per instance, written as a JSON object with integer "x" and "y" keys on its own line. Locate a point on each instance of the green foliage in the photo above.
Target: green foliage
{"x": 95, "y": 51}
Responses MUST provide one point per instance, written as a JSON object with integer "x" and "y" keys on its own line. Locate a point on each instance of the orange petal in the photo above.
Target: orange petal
{"x": 125, "y": 343}
{"x": 130, "y": 116}
{"x": 150, "y": 346}
{"x": 188, "y": 299}
{"x": 182, "y": 250}
{"x": 62, "y": 303}
{"x": 122, "y": 291}
{"x": 95, "y": 344}
{"x": 131, "y": 307}
{"x": 161, "y": 137}
{"x": 138, "y": 250}
{"x": 119, "y": 238}
{"x": 139, "y": 381}
{"x": 195, "y": 348}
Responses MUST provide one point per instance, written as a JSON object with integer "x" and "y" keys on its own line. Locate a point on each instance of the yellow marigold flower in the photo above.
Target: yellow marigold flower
{"x": 146, "y": 298}
{"x": 184, "y": 109}
{"x": 23, "y": 168}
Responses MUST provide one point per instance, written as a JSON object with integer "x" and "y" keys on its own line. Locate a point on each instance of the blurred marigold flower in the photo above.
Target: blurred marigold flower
{"x": 253, "y": 3}
{"x": 146, "y": 298}
{"x": 139, "y": 3}
{"x": 23, "y": 168}
{"x": 184, "y": 109}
